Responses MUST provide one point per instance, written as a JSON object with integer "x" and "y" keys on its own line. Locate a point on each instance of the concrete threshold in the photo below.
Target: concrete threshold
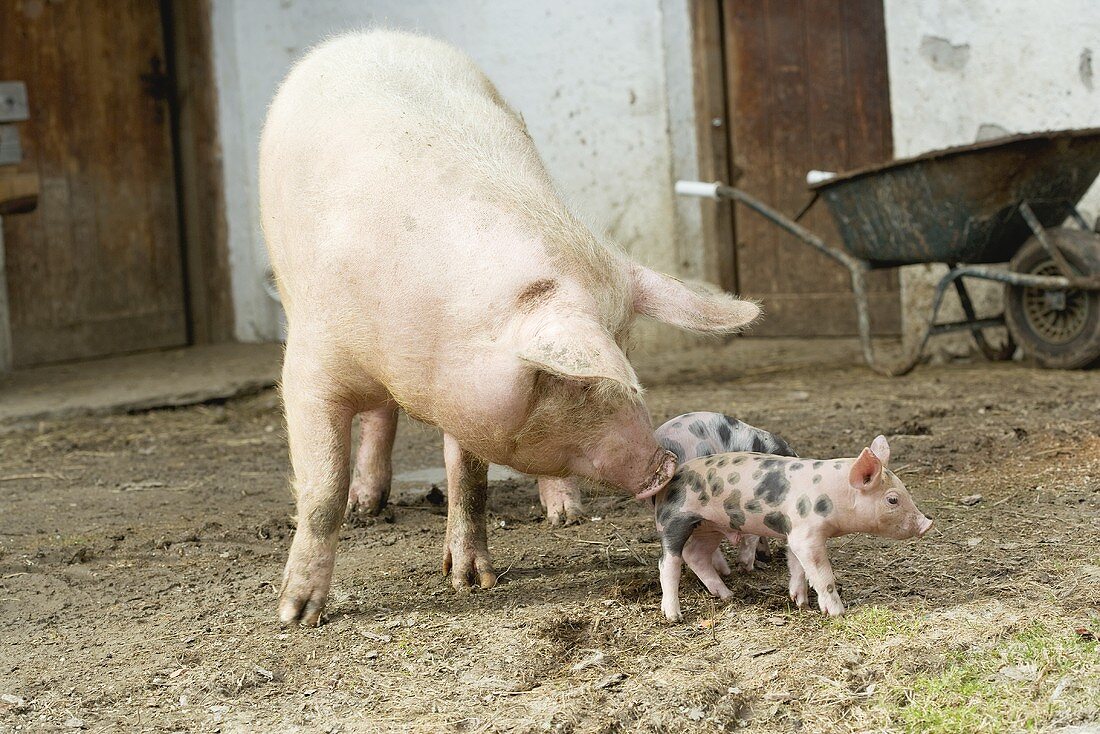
{"x": 137, "y": 382}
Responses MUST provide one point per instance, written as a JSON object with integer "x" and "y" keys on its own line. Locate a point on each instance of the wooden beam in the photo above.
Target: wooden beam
{"x": 711, "y": 126}
{"x": 188, "y": 39}
{"x": 18, "y": 191}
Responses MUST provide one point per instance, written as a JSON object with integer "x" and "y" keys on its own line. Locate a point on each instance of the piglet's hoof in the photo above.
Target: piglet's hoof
{"x": 468, "y": 566}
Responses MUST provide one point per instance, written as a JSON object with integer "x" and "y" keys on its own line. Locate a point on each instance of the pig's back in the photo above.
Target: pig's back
{"x": 387, "y": 146}
{"x": 698, "y": 434}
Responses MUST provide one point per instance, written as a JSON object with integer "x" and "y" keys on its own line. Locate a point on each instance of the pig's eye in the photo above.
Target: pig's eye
{"x": 892, "y": 499}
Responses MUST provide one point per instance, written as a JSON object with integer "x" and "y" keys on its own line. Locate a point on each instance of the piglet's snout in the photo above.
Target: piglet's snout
{"x": 925, "y": 525}
{"x": 663, "y": 467}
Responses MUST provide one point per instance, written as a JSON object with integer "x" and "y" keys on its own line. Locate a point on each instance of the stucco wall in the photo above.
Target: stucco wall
{"x": 964, "y": 69}
{"x": 591, "y": 80}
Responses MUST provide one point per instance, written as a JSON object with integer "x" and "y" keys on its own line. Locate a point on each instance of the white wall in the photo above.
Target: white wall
{"x": 960, "y": 68}
{"x": 588, "y": 77}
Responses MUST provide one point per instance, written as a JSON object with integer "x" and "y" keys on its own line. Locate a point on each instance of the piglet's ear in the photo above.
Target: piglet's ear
{"x": 881, "y": 449}
{"x": 579, "y": 349}
{"x": 866, "y": 471}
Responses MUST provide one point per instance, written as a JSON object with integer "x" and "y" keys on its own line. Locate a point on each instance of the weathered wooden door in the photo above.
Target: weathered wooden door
{"x": 97, "y": 269}
{"x": 807, "y": 89}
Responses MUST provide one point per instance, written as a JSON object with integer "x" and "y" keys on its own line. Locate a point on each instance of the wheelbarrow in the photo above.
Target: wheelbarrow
{"x": 970, "y": 207}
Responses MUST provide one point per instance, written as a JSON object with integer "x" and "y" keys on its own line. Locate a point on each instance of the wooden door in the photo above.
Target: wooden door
{"x": 97, "y": 269}
{"x": 807, "y": 89}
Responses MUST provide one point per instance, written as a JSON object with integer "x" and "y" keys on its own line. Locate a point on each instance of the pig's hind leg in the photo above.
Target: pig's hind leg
{"x": 800, "y": 595}
{"x": 561, "y": 498}
{"x": 699, "y": 553}
{"x": 370, "y": 486}
{"x": 466, "y": 548}
{"x": 318, "y": 420}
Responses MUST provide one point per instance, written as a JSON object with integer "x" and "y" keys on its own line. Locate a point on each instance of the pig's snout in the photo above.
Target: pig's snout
{"x": 924, "y": 526}
{"x": 662, "y": 468}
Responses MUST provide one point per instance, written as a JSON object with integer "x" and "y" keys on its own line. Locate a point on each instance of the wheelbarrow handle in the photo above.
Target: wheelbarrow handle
{"x": 856, "y": 268}
{"x": 702, "y": 189}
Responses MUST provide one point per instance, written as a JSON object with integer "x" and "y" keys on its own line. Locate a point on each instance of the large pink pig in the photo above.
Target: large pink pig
{"x": 805, "y": 501}
{"x": 425, "y": 261}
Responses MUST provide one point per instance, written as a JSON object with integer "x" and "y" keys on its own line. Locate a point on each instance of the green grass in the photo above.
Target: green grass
{"x": 874, "y": 624}
{"x": 971, "y": 693}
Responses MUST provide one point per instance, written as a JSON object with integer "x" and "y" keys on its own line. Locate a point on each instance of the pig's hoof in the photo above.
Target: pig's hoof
{"x": 367, "y": 499}
{"x": 568, "y": 514}
{"x": 672, "y": 613}
{"x": 301, "y": 602}
{"x": 720, "y": 564}
{"x": 763, "y": 550}
{"x": 469, "y": 567}
{"x": 800, "y": 599}
{"x": 358, "y": 517}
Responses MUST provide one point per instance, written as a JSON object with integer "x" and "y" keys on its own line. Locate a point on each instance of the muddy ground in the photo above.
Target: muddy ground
{"x": 140, "y": 557}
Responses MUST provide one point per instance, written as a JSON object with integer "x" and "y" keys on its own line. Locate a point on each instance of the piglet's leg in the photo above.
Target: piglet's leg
{"x": 699, "y": 556}
{"x": 675, "y": 532}
{"x": 670, "y": 565}
{"x": 466, "y": 549}
{"x": 812, "y": 555}
{"x": 370, "y": 486}
{"x": 800, "y": 595}
{"x": 718, "y": 560}
{"x": 746, "y": 552}
{"x": 561, "y": 498}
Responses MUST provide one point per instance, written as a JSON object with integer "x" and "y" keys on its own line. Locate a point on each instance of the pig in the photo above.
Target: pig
{"x": 561, "y": 498}
{"x": 426, "y": 263}
{"x": 697, "y": 434}
{"x": 805, "y": 501}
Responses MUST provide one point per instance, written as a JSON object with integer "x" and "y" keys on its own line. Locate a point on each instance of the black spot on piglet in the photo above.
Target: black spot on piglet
{"x": 778, "y": 522}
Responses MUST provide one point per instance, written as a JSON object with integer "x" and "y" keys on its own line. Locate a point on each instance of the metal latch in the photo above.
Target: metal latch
{"x": 13, "y": 102}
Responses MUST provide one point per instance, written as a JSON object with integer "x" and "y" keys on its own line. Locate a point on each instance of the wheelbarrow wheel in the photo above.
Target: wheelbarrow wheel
{"x": 1059, "y": 329}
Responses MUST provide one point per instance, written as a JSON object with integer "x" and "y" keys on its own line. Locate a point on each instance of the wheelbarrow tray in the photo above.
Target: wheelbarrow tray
{"x": 960, "y": 205}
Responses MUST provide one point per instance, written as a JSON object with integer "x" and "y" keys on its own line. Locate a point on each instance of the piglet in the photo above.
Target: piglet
{"x": 805, "y": 501}
{"x": 702, "y": 433}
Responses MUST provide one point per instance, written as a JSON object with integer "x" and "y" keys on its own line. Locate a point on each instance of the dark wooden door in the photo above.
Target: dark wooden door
{"x": 97, "y": 269}
{"x": 807, "y": 89}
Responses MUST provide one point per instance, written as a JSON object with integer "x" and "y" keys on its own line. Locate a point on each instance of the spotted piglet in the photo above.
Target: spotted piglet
{"x": 701, "y": 433}
{"x": 805, "y": 501}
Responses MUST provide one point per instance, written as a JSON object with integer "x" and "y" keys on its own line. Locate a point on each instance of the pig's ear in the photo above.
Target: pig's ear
{"x": 692, "y": 306}
{"x": 581, "y": 350}
{"x": 881, "y": 449}
{"x": 866, "y": 471}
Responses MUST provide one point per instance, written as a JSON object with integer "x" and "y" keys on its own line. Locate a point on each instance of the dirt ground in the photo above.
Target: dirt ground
{"x": 140, "y": 557}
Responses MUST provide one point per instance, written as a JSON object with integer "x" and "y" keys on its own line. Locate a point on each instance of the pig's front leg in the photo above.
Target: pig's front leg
{"x": 800, "y": 595}
{"x": 670, "y": 566}
{"x": 370, "y": 486}
{"x": 466, "y": 551}
{"x": 561, "y": 498}
{"x": 319, "y": 428}
{"x": 812, "y": 555}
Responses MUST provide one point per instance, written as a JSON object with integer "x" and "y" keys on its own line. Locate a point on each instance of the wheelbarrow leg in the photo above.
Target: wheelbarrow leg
{"x": 863, "y": 318}
{"x": 992, "y": 353}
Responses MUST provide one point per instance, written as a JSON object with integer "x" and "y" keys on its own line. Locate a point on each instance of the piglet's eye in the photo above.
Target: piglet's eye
{"x": 892, "y": 500}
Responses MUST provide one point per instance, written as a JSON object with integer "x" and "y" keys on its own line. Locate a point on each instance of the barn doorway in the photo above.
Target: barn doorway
{"x": 801, "y": 85}
{"x": 100, "y": 267}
